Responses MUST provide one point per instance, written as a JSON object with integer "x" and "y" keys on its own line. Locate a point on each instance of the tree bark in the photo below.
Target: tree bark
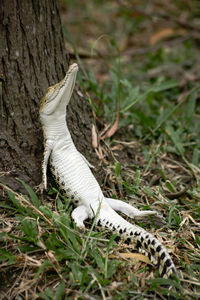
{"x": 33, "y": 57}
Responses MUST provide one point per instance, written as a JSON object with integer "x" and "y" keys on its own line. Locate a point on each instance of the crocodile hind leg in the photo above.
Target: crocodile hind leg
{"x": 128, "y": 209}
{"x": 132, "y": 212}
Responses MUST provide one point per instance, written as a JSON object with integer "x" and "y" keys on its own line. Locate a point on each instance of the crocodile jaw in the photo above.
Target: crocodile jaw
{"x": 53, "y": 104}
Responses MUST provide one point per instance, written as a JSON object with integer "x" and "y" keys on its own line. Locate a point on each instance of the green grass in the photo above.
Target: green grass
{"x": 43, "y": 240}
{"x": 46, "y": 242}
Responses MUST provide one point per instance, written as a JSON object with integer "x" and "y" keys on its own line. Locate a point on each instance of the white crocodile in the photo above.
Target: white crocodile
{"x": 73, "y": 174}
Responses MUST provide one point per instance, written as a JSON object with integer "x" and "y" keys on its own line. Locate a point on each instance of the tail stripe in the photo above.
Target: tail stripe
{"x": 145, "y": 243}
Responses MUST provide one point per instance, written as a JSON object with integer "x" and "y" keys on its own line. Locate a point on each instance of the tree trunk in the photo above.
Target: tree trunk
{"x": 33, "y": 57}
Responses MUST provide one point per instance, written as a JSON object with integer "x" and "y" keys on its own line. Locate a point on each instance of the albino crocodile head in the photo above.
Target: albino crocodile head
{"x": 53, "y": 104}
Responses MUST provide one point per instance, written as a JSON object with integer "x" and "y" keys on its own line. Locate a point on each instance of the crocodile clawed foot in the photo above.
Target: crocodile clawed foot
{"x": 80, "y": 227}
{"x": 79, "y": 215}
{"x": 40, "y": 188}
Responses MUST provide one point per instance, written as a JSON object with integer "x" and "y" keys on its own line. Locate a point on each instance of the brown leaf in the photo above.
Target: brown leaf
{"x": 113, "y": 129}
{"x": 94, "y": 137}
{"x": 99, "y": 153}
{"x": 136, "y": 256}
{"x": 163, "y": 34}
{"x": 117, "y": 147}
{"x": 133, "y": 256}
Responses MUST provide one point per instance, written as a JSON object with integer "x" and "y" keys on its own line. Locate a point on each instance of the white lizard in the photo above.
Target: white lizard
{"x": 72, "y": 172}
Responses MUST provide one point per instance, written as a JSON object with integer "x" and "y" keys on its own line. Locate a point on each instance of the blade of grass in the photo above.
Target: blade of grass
{"x": 34, "y": 197}
{"x": 175, "y": 139}
{"x": 112, "y": 239}
{"x": 171, "y": 112}
{"x": 156, "y": 88}
{"x": 90, "y": 232}
{"x": 152, "y": 157}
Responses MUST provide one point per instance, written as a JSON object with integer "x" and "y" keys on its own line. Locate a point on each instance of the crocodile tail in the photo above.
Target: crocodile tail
{"x": 143, "y": 241}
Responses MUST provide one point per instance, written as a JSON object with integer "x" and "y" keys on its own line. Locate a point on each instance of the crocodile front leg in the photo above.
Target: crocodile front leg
{"x": 48, "y": 147}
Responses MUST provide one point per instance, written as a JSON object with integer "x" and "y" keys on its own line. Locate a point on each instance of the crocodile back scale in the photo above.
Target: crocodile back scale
{"x": 73, "y": 174}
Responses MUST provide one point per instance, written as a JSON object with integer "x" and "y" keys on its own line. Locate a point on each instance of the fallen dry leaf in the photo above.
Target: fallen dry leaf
{"x": 99, "y": 152}
{"x": 94, "y": 137}
{"x": 133, "y": 256}
{"x": 163, "y": 34}
{"x": 113, "y": 129}
{"x": 117, "y": 147}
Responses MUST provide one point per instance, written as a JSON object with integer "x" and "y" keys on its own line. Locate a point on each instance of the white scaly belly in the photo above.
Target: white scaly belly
{"x": 73, "y": 175}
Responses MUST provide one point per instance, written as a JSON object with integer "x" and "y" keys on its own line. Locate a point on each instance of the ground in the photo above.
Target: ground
{"x": 140, "y": 71}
